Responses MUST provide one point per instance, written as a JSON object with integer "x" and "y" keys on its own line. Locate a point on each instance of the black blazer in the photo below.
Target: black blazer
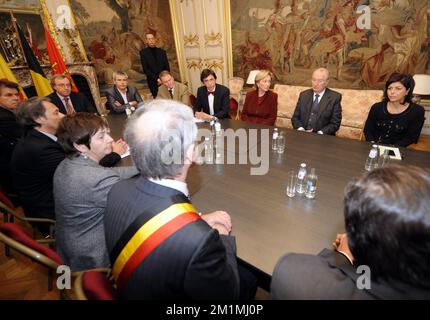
{"x": 221, "y": 101}
{"x": 113, "y": 94}
{"x": 329, "y": 275}
{"x": 152, "y": 67}
{"x": 33, "y": 163}
{"x": 79, "y": 101}
{"x": 10, "y": 132}
{"x": 329, "y": 114}
{"x": 193, "y": 263}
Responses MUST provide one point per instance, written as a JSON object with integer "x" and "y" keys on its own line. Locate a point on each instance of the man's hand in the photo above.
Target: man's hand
{"x": 341, "y": 244}
{"x": 218, "y": 217}
{"x": 221, "y": 229}
{"x": 310, "y": 130}
{"x": 119, "y": 146}
{"x": 204, "y": 116}
{"x": 132, "y": 103}
{"x": 117, "y": 103}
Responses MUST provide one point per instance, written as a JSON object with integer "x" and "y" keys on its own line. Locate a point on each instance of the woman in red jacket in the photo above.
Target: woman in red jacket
{"x": 261, "y": 105}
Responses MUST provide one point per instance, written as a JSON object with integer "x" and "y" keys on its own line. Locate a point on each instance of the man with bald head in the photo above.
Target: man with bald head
{"x": 318, "y": 109}
{"x": 160, "y": 246}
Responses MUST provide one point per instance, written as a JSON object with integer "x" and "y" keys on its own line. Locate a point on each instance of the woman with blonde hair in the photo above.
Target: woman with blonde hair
{"x": 261, "y": 105}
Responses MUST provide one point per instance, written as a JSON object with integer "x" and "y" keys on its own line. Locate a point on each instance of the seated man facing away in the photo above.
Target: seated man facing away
{"x": 121, "y": 95}
{"x": 318, "y": 109}
{"x": 37, "y": 155}
{"x": 68, "y": 102}
{"x": 213, "y": 100}
{"x": 171, "y": 89}
{"x": 160, "y": 246}
{"x": 387, "y": 220}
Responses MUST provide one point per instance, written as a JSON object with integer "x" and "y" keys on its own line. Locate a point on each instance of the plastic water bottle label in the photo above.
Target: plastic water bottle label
{"x": 373, "y": 153}
{"x": 301, "y": 174}
{"x": 275, "y": 135}
{"x": 217, "y": 126}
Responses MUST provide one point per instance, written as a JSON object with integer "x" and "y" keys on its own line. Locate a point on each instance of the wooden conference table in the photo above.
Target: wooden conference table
{"x": 266, "y": 223}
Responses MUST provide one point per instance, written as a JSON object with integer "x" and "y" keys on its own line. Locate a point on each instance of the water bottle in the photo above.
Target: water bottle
{"x": 208, "y": 151}
{"x": 217, "y": 126}
{"x": 301, "y": 179}
{"x": 128, "y": 110}
{"x": 372, "y": 159}
{"x": 280, "y": 143}
{"x": 311, "y": 184}
{"x": 274, "y": 139}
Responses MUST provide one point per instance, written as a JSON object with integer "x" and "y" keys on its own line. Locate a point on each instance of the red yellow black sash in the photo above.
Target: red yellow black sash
{"x": 148, "y": 237}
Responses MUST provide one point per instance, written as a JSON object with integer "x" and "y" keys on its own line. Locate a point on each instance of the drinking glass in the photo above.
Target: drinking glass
{"x": 291, "y": 183}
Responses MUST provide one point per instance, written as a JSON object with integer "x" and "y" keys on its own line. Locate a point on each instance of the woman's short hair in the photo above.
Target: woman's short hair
{"x": 405, "y": 79}
{"x": 261, "y": 75}
{"x": 78, "y": 128}
{"x": 159, "y": 134}
{"x": 29, "y": 110}
{"x": 387, "y": 219}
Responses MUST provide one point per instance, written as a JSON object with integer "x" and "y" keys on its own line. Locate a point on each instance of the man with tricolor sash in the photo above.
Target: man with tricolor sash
{"x": 160, "y": 246}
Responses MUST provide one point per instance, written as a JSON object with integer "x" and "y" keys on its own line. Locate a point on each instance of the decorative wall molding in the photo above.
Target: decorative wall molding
{"x": 213, "y": 39}
{"x": 191, "y": 41}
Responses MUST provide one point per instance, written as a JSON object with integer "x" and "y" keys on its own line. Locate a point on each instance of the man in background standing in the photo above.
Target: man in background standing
{"x": 154, "y": 60}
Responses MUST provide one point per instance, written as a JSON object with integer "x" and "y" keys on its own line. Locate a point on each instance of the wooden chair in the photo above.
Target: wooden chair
{"x": 234, "y": 109}
{"x": 96, "y": 284}
{"x": 192, "y": 100}
{"x": 14, "y": 236}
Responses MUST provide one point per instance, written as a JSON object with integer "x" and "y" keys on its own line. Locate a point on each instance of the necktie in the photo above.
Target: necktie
{"x": 315, "y": 103}
{"x": 69, "y": 107}
{"x": 211, "y": 93}
{"x": 171, "y": 93}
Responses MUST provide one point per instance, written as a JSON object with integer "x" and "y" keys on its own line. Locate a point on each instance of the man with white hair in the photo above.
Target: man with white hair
{"x": 318, "y": 109}
{"x": 160, "y": 246}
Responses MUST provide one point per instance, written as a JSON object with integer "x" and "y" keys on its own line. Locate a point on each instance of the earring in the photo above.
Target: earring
{"x": 84, "y": 155}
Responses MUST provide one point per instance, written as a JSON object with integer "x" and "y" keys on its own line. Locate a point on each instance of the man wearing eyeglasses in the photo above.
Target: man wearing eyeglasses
{"x": 318, "y": 109}
{"x": 68, "y": 102}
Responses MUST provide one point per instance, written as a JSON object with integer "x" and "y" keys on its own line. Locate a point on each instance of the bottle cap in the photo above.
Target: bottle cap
{"x": 303, "y": 165}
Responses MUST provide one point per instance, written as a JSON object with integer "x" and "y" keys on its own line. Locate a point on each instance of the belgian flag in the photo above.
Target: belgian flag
{"x": 7, "y": 74}
{"x": 40, "y": 81}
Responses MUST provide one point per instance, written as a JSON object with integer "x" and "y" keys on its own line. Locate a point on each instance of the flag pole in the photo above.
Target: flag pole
{"x": 17, "y": 34}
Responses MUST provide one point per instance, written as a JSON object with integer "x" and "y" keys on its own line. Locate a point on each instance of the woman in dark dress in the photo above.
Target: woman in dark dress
{"x": 396, "y": 120}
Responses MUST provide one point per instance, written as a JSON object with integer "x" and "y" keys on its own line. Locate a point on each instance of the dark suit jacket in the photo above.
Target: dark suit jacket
{"x": 330, "y": 275}
{"x": 79, "y": 101}
{"x": 152, "y": 67}
{"x": 33, "y": 164}
{"x": 329, "y": 114}
{"x": 10, "y": 132}
{"x": 193, "y": 263}
{"x": 113, "y": 94}
{"x": 221, "y": 101}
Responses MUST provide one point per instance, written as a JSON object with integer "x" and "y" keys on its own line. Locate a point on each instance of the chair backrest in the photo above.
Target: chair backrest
{"x": 16, "y": 237}
{"x": 192, "y": 100}
{"x": 235, "y": 84}
{"x": 95, "y": 285}
{"x": 234, "y": 109}
{"x": 419, "y": 133}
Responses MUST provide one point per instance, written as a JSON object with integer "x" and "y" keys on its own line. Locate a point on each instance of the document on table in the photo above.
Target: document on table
{"x": 197, "y": 120}
{"x": 125, "y": 154}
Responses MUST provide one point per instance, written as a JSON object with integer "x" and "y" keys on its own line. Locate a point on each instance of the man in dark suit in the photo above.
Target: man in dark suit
{"x": 318, "y": 109}
{"x": 384, "y": 253}
{"x": 213, "y": 100}
{"x": 67, "y": 101}
{"x": 10, "y": 131}
{"x": 121, "y": 95}
{"x": 154, "y": 60}
{"x": 191, "y": 256}
{"x": 37, "y": 155}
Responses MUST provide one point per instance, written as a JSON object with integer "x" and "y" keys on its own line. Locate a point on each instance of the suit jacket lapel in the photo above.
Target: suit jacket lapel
{"x": 118, "y": 96}
{"x": 206, "y": 100}
{"x": 325, "y": 100}
{"x": 176, "y": 91}
{"x": 308, "y": 107}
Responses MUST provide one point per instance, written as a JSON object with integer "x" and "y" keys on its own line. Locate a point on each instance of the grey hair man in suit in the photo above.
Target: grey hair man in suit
{"x": 192, "y": 256}
{"x": 171, "y": 89}
{"x": 318, "y": 109}
{"x": 121, "y": 95}
{"x": 68, "y": 102}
